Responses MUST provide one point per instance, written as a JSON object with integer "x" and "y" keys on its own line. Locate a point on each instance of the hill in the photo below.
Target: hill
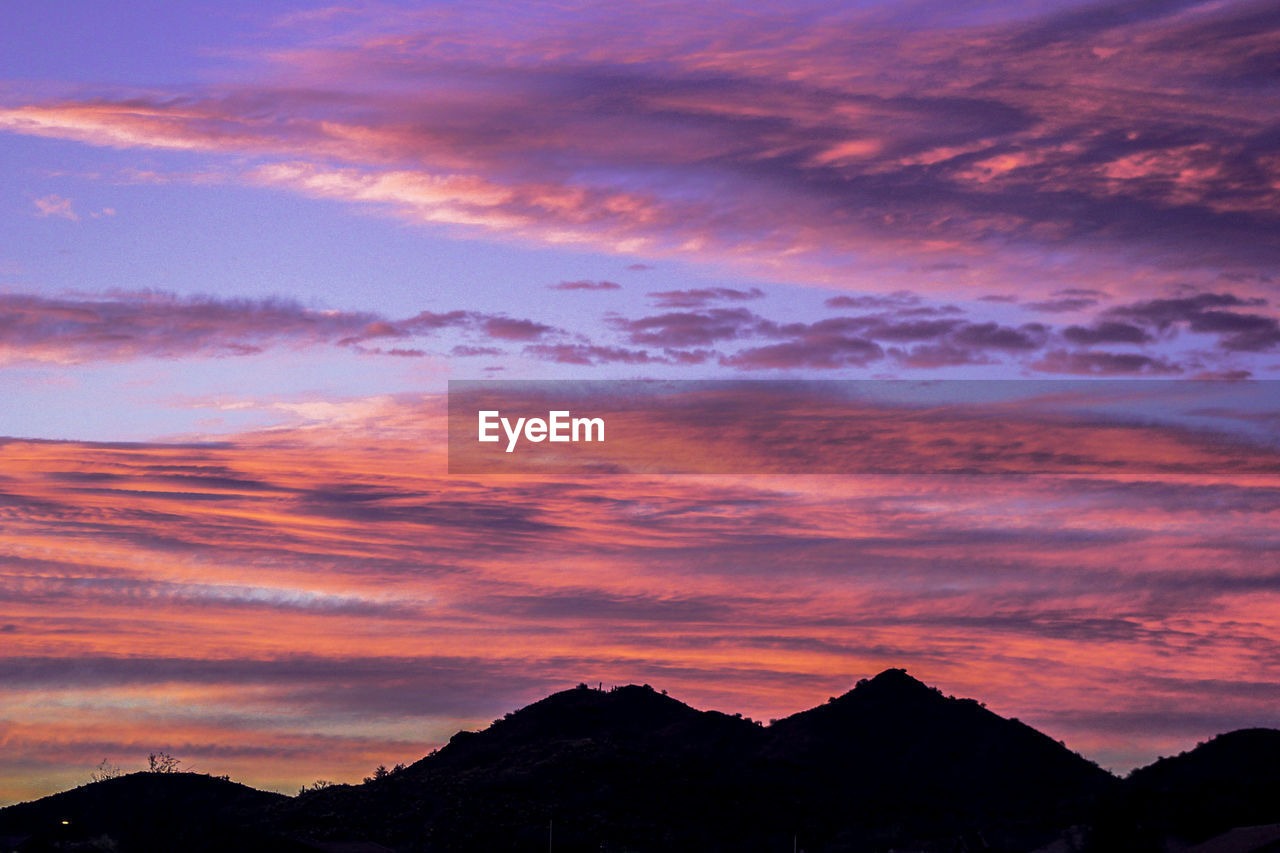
{"x": 891, "y": 761}
{"x": 895, "y": 752}
{"x": 892, "y": 764}
{"x": 1232, "y": 780}
{"x": 145, "y": 811}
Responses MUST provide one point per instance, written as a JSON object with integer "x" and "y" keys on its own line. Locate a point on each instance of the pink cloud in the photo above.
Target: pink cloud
{"x": 792, "y": 152}
{"x": 55, "y": 205}
{"x": 213, "y": 590}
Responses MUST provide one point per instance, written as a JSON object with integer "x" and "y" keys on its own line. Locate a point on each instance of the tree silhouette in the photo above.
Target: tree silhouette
{"x": 104, "y": 771}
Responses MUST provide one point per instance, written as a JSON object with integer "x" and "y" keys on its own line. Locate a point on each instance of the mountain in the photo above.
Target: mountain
{"x": 892, "y": 764}
{"x": 628, "y": 768}
{"x": 895, "y": 752}
{"x": 890, "y": 761}
{"x": 1232, "y": 780}
{"x": 144, "y": 811}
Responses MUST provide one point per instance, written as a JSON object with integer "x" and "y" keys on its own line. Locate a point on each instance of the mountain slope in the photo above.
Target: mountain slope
{"x": 147, "y": 811}
{"x": 895, "y": 751}
{"x": 629, "y": 768}
{"x": 890, "y": 761}
{"x": 1229, "y": 781}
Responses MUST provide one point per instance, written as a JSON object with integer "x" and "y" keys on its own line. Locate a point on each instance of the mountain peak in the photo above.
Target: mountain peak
{"x": 894, "y": 679}
{"x": 891, "y": 685}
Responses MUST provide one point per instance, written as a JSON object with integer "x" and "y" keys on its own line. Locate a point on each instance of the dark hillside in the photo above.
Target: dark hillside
{"x": 146, "y": 811}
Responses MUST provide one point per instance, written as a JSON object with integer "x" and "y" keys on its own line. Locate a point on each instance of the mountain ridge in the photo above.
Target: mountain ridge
{"x": 891, "y": 763}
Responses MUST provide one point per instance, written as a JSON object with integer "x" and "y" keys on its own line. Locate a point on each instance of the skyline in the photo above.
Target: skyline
{"x": 249, "y": 244}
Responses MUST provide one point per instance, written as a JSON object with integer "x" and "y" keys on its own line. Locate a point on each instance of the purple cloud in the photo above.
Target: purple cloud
{"x": 120, "y": 326}
{"x": 699, "y": 298}
{"x": 867, "y": 301}
{"x": 588, "y": 354}
{"x": 585, "y": 285}
{"x": 1091, "y": 363}
{"x": 1108, "y": 332}
{"x": 824, "y": 351}
{"x": 686, "y": 329}
{"x": 508, "y": 329}
{"x": 1206, "y": 313}
{"x": 1063, "y": 305}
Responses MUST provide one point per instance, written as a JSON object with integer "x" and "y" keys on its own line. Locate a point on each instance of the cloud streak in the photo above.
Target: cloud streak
{"x": 705, "y": 326}
{"x": 795, "y": 139}
{"x": 121, "y": 326}
{"x": 216, "y": 588}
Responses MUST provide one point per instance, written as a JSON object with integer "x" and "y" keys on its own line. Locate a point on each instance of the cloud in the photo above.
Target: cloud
{"x": 202, "y": 594}
{"x": 1205, "y": 313}
{"x": 1238, "y": 332}
{"x": 897, "y": 300}
{"x": 781, "y": 140}
{"x": 1163, "y": 313}
{"x": 686, "y": 329}
{"x": 824, "y": 351}
{"x": 908, "y": 330}
{"x": 585, "y": 285}
{"x": 1028, "y": 336}
{"x": 508, "y": 329}
{"x": 913, "y": 333}
{"x": 56, "y": 205}
{"x": 588, "y": 354}
{"x": 930, "y": 356}
{"x": 1064, "y": 305}
{"x": 1103, "y": 364}
{"x": 465, "y": 351}
{"x": 701, "y": 297}
{"x": 840, "y": 342}
{"x": 1109, "y": 332}
{"x": 149, "y": 324}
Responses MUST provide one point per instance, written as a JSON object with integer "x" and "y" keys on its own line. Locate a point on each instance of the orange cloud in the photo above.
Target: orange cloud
{"x": 283, "y": 588}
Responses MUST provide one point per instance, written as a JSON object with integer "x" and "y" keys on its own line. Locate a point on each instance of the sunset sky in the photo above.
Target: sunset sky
{"x": 246, "y": 245}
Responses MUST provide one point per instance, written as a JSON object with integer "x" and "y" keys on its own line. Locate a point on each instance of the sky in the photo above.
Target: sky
{"x": 247, "y": 245}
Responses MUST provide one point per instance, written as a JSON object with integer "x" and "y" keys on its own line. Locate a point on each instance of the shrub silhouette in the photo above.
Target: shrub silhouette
{"x": 104, "y": 771}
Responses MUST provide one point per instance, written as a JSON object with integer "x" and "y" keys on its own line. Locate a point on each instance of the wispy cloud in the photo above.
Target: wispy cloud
{"x": 219, "y": 587}
{"x": 903, "y": 331}
{"x": 585, "y": 285}
{"x": 119, "y": 326}
{"x": 798, "y": 140}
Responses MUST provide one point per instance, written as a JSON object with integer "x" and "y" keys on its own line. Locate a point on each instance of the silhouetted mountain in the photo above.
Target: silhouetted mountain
{"x": 891, "y": 761}
{"x": 891, "y": 764}
{"x": 1230, "y": 781}
{"x": 629, "y": 768}
{"x": 895, "y": 752}
{"x": 144, "y": 811}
